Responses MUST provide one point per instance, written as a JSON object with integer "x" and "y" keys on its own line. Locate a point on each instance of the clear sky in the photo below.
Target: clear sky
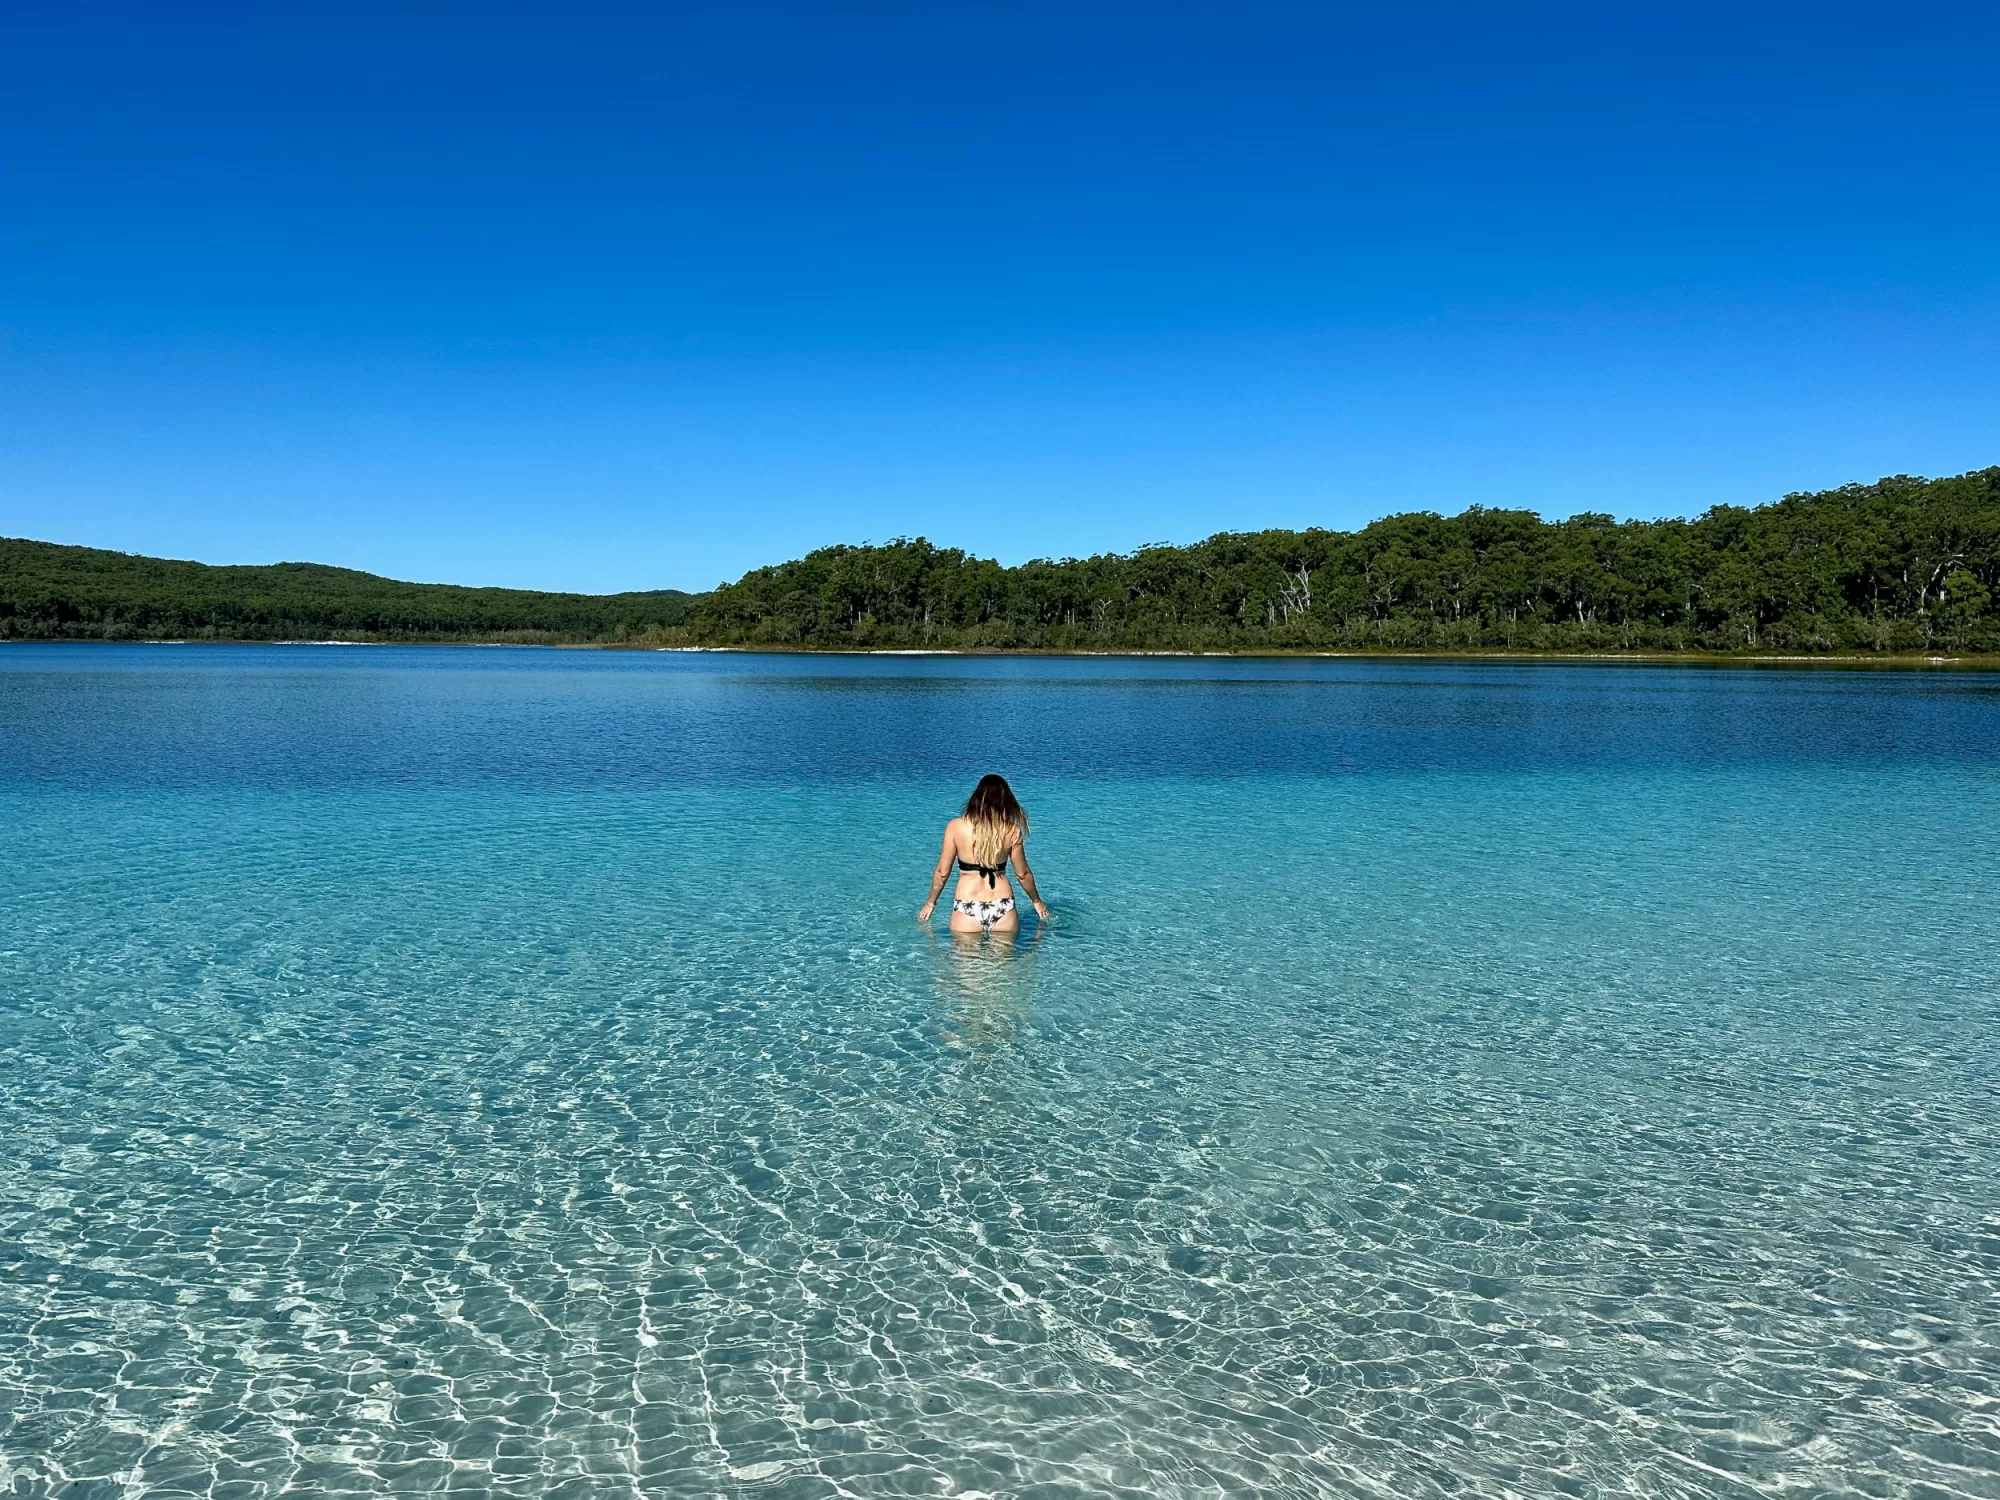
{"x": 600, "y": 296}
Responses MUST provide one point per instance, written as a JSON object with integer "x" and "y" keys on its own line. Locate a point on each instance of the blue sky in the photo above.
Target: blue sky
{"x": 606, "y": 297}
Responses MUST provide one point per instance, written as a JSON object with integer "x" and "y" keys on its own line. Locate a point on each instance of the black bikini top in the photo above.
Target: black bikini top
{"x": 989, "y": 871}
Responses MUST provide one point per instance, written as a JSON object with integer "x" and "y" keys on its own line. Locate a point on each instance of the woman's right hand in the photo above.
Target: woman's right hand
{"x": 924, "y": 911}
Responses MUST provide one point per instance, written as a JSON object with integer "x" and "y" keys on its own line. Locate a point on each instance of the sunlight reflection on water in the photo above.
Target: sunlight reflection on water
{"x": 519, "y": 1071}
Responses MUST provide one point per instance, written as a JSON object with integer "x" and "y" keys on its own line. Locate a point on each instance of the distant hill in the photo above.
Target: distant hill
{"x": 49, "y": 592}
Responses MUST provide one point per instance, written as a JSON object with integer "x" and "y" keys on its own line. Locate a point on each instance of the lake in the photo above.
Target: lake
{"x": 519, "y": 1072}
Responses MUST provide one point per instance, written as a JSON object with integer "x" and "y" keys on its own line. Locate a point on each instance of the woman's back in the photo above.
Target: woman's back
{"x": 981, "y": 859}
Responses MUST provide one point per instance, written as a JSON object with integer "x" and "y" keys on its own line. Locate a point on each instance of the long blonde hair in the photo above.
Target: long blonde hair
{"x": 994, "y": 816}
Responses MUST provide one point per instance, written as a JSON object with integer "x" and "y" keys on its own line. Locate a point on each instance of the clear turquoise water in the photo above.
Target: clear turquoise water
{"x": 419, "y": 1070}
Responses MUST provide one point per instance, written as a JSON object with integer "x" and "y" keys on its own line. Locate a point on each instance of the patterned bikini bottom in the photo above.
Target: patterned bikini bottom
{"x": 985, "y": 913}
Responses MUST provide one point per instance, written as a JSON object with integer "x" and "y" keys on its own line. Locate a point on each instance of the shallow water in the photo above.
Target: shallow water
{"x": 518, "y": 1072}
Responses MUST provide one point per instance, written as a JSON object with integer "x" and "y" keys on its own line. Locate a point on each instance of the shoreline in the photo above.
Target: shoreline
{"x": 1970, "y": 660}
{"x": 1905, "y": 661}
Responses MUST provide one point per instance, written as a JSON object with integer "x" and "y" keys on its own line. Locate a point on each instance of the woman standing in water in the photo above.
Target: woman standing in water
{"x": 991, "y": 831}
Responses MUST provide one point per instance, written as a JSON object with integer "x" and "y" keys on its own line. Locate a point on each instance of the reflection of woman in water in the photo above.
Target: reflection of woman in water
{"x": 991, "y": 831}
{"x": 986, "y": 989}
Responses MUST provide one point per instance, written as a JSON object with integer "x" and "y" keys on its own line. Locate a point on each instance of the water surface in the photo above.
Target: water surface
{"x": 518, "y": 1072}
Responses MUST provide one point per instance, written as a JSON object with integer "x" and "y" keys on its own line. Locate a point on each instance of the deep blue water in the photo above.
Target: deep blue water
{"x": 519, "y": 1072}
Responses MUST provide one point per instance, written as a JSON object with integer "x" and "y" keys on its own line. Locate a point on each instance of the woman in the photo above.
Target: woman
{"x": 992, "y": 830}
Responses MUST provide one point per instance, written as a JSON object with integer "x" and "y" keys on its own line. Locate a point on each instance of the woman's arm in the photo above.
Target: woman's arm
{"x": 1028, "y": 876}
{"x": 945, "y": 857}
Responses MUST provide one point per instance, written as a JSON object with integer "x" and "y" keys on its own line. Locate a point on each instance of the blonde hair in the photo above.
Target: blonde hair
{"x": 995, "y": 817}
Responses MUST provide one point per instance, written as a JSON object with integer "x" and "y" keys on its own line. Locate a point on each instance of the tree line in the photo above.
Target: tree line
{"x": 1905, "y": 564}
{"x": 49, "y": 592}
{"x": 1901, "y": 565}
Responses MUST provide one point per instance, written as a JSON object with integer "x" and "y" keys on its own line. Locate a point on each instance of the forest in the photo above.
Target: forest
{"x": 48, "y": 592}
{"x": 1901, "y": 565}
{"x": 1904, "y": 565}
